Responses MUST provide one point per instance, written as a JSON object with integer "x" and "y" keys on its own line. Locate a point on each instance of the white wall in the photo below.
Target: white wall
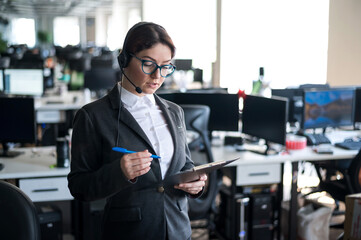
{"x": 344, "y": 52}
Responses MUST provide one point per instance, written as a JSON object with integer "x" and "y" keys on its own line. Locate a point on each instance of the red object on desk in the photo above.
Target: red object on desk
{"x": 296, "y": 142}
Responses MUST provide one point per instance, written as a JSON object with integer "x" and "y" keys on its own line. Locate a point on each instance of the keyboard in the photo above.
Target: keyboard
{"x": 349, "y": 145}
{"x": 316, "y": 139}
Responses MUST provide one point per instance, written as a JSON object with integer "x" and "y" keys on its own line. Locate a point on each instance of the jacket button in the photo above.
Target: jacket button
{"x": 160, "y": 189}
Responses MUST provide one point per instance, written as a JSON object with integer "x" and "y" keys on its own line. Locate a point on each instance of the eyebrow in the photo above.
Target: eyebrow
{"x": 155, "y": 60}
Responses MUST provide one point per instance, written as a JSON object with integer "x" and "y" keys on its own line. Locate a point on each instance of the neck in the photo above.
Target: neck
{"x": 130, "y": 88}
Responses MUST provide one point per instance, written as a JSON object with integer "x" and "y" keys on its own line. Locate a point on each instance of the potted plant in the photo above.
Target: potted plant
{"x": 44, "y": 37}
{"x": 3, "y": 44}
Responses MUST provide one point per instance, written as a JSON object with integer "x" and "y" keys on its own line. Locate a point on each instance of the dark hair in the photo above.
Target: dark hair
{"x": 145, "y": 35}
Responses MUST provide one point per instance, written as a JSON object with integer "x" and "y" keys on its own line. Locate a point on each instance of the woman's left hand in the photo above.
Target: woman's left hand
{"x": 193, "y": 187}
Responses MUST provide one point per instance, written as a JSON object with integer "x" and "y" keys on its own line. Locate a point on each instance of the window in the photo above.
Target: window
{"x": 117, "y": 26}
{"x": 66, "y": 31}
{"x": 192, "y": 26}
{"x": 23, "y": 31}
{"x": 288, "y": 38}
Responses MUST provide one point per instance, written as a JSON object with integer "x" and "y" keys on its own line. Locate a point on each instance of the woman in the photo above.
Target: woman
{"x": 131, "y": 116}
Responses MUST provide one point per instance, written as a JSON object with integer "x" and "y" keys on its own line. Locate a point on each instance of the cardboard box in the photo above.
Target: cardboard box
{"x": 353, "y": 217}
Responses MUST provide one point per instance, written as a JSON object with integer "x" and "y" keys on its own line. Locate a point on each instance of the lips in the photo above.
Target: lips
{"x": 153, "y": 85}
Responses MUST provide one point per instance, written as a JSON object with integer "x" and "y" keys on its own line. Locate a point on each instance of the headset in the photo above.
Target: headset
{"x": 124, "y": 57}
{"x": 123, "y": 61}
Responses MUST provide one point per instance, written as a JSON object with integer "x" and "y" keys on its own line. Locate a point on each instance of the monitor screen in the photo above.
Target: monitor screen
{"x": 100, "y": 78}
{"x": 24, "y": 82}
{"x": 224, "y": 107}
{"x": 358, "y": 105}
{"x": 17, "y": 121}
{"x": 328, "y": 108}
{"x": 295, "y": 102}
{"x": 265, "y": 118}
{"x": 183, "y": 64}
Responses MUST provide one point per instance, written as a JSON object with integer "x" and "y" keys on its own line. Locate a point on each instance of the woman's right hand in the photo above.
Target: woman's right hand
{"x": 135, "y": 164}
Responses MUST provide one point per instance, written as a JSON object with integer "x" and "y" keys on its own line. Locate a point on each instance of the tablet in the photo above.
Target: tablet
{"x": 195, "y": 173}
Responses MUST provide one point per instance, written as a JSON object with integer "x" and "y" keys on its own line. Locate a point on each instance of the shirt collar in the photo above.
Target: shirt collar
{"x": 130, "y": 99}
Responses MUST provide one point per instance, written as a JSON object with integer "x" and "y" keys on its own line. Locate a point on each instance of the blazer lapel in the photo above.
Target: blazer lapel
{"x": 171, "y": 118}
{"x": 126, "y": 117}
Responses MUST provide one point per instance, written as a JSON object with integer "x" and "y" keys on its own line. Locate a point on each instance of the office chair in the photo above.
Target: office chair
{"x": 338, "y": 187}
{"x": 196, "y": 119}
{"x": 18, "y": 217}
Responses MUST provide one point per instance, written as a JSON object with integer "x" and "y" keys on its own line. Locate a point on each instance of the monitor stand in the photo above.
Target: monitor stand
{"x": 5, "y": 153}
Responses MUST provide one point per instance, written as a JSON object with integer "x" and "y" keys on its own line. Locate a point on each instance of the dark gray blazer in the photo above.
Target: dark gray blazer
{"x": 141, "y": 210}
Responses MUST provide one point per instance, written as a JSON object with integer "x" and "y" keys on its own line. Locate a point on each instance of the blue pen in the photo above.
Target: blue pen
{"x": 123, "y": 150}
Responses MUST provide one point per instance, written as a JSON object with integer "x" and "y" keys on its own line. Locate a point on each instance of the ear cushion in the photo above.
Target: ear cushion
{"x": 123, "y": 60}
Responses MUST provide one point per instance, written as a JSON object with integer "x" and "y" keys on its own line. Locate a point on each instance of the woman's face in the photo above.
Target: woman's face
{"x": 149, "y": 83}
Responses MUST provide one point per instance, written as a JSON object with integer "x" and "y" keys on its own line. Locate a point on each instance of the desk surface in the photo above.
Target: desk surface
{"x": 34, "y": 162}
{"x": 71, "y": 100}
{"x": 307, "y": 154}
{"x": 37, "y": 162}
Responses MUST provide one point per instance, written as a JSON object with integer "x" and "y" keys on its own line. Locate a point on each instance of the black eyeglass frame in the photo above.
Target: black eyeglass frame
{"x": 156, "y": 66}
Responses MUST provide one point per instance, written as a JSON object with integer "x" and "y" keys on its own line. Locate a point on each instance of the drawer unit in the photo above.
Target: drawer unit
{"x": 50, "y": 116}
{"x": 46, "y": 189}
{"x": 258, "y": 174}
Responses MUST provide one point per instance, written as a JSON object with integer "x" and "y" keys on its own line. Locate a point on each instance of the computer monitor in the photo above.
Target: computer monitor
{"x": 357, "y": 108}
{"x": 328, "y": 108}
{"x": 295, "y": 102}
{"x": 27, "y": 63}
{"x": 309, "y": 86}
{"x": 17, "y": 122}
{"x": 265, "y": 118}
{"x": 224, "y": 107}
{"x": 98, "y": 79}
{"x": 24, "y": 82}
{"x": 183, "y": 64}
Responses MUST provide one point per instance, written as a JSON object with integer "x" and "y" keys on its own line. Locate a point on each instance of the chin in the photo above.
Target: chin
{"x": 150, "y": 90}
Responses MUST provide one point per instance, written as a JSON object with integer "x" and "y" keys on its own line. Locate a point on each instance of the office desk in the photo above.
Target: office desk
{"x": 254, "y": 169}
{"x": 34, "y": 175}
{"x": 40, "y": 182}
{"x": 51, "y": 109}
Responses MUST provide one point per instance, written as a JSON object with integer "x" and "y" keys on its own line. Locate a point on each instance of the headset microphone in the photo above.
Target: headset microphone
{"x": 137, "y": 89}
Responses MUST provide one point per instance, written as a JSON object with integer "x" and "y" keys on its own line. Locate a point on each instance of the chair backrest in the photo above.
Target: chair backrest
{"x": 196, "y": 119}
{"x": 355, "y": 173}
{"x": 18, "y": 217}
{"x": 349, "y": 184}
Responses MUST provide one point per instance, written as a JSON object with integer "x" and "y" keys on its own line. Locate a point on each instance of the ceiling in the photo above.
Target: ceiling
{"x": 32, "y": 8}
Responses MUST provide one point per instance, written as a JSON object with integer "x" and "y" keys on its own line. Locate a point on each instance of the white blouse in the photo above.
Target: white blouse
{"x": 150, "y": 118}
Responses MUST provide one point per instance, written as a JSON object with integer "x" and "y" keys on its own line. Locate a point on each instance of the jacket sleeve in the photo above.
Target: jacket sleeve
{"x": 189, "y": 163}
{"x": 90, "y": 179}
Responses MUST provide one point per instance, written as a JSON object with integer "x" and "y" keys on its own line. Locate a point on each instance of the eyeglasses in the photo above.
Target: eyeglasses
{"x": 149, "y": 67}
